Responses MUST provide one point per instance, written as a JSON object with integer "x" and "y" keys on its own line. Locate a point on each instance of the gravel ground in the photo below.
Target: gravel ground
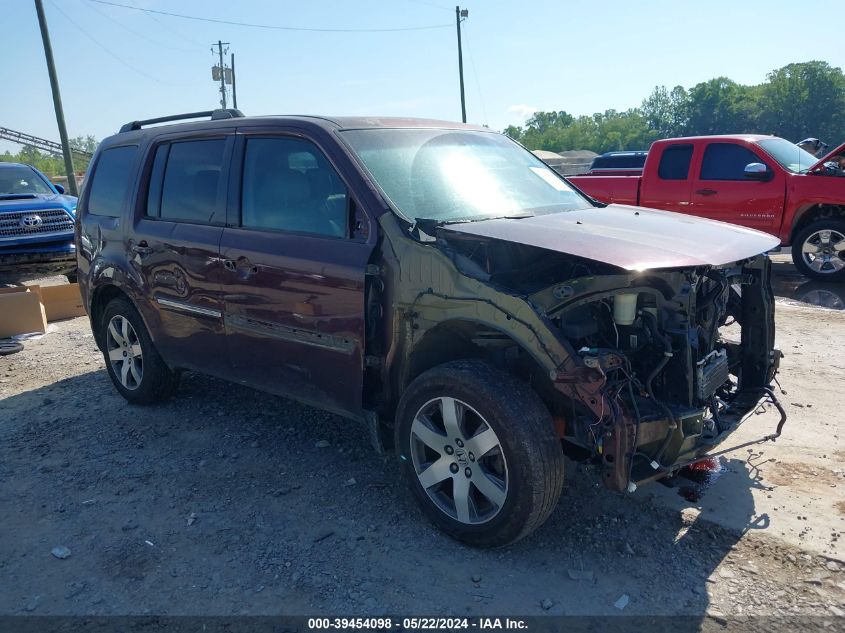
{"x": 229, "y": 501}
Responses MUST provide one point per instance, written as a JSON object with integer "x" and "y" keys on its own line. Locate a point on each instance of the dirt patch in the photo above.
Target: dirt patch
{"x": 799, "y": 474}
{"x": 841, "y": 507}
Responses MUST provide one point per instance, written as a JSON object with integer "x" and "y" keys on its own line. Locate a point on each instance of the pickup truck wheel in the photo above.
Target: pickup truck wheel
{"x": 818, "y": 250}
{"x": 479, "y": 452}
{"x": 135, "y": 367}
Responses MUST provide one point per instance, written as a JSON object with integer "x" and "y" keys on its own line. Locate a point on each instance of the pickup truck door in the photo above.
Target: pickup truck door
{"x": 294, "y": 280}
{"x": 721, "y": 190}
{"x": 668, "y": 187}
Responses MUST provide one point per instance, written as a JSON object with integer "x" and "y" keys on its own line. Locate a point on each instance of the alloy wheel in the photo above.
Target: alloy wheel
{"x": 124, "y": 352}
{"x": 459, "y": 461}
{"x": 824, "y": 251}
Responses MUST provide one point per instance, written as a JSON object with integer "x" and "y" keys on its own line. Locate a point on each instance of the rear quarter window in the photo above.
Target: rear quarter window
{"x": 675, "y": 162}
{"x": 112, "y": 178}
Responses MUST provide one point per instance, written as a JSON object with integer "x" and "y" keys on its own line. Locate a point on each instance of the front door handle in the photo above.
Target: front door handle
{"x": 706, "y": 192}
{"x": 243, "y": 267}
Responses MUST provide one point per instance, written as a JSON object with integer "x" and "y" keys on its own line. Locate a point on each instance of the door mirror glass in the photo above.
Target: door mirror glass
{"x": 757, "y": 171}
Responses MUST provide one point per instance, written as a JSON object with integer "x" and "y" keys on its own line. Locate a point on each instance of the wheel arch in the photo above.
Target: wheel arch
{"x": 461, "y": 339}
{"x": 813, "y": 212}
{"x": 100, "y": 298}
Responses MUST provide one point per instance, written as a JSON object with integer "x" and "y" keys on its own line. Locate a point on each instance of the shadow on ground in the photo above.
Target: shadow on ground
{"x": 223, "y": 502}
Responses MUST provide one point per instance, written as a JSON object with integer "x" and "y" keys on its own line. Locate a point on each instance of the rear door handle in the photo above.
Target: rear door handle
{"x": 141, "y": 248}
{"x": 706, "y": 192}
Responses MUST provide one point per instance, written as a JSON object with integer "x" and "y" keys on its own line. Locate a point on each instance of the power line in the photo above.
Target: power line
{"x": 270, "y": 26}
{"x": 137, "y": 33}
{"x": 106, "y": 49}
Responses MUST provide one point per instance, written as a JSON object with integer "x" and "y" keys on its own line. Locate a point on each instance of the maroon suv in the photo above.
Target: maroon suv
{"x": 438, "y": 284}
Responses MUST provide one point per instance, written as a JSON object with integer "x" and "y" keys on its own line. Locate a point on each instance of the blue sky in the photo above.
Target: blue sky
{"x": 552, "y": 55}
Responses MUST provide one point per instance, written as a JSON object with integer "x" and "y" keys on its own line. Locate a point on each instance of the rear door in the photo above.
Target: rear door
{"x": 175, "y": 247}
{"x": 295, "y": 270}
{"x": 721, "y": 190}
{"x": 668, "y": 186}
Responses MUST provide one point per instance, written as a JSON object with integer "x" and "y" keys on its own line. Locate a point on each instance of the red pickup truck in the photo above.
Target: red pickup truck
{"x": 762, "y": 182}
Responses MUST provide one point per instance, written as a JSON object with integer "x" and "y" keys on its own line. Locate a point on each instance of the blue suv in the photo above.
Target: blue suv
{"x": 36, "y": 224}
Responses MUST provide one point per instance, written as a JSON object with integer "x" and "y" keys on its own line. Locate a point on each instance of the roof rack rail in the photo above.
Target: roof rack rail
{"x": 228, "y": 113}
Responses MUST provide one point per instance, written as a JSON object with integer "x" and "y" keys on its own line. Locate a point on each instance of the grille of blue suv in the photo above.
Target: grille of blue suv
{"x": 13, "y": 225}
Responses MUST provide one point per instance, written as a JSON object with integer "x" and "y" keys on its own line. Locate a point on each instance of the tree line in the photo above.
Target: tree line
{"x": 50, "y": 164}
{"x": 795, "y": 102}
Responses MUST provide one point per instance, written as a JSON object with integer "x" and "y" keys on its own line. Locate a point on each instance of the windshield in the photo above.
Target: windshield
{"x": 789, "y": 155}
{"x": 455, "y": 175}
{"x": 20, "y": 180}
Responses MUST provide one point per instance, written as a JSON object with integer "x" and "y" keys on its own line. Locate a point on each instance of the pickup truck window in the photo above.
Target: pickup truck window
{"x": 454, "y": 175}
{"x": 111, "y": 181}
{"x": 20, "y": 180}
{"x": 674, "y": 164}
{"x": 788, "y": 155}
{"x": 726, "y": 161}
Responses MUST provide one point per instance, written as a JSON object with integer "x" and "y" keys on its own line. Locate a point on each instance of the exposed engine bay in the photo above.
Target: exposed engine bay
{"x": 663, "y": 364}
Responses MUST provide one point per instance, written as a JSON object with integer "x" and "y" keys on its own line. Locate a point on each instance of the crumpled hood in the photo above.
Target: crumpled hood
{"x": 629, "y": 237}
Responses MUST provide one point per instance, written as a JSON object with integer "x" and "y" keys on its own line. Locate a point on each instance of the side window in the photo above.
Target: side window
{"x": 110, "y": 185}
{"x": 674, "y": 163}
{"x": 289, "y": 185}
{"x": 192, "y": 187}
{"x": 725, "y": 161}
{"x": 156, "y": 178}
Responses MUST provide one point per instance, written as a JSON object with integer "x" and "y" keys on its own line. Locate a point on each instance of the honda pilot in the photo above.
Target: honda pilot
{"x": 436, "y": 284}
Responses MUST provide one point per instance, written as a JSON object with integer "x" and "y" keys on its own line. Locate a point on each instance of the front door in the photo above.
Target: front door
{"x": 175, "y": 249}
{"x": 294, "y": 276}
{"x": 721, "y": 190}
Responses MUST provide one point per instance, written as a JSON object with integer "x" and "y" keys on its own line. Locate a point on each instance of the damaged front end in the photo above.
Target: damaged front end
{"x": 656, "y": 367}
{"x": 667, "y": 363}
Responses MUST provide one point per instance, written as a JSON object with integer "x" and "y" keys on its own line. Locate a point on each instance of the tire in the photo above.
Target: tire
{"x": 146, "y": 379}
{"x": 8, "y": 347}
{"x": 514, "y": 486}
{"x": 818, "y": 250}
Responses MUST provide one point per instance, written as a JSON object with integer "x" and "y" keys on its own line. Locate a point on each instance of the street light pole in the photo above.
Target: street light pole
{"x": 461, "y": 13}
{"x": 57, "y": 98}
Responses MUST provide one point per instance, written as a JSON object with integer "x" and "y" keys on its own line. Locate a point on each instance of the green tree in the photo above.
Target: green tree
{"x": 801, "y": 100}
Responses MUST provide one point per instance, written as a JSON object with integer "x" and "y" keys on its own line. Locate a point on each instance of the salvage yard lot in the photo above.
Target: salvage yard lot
{"x": 226, "y": 501}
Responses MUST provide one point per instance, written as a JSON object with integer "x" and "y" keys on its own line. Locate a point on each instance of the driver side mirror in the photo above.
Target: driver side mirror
{"x": 757, "y": 171}
{"x": 59, "y": 188}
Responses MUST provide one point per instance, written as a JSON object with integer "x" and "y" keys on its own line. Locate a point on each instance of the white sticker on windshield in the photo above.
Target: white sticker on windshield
{"x": 550, "y": 178}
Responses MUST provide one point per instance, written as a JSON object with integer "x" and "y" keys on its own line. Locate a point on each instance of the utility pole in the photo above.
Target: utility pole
{"x": 222, "y": 68}
{"x": 57, "y": 98}
{"x": 234, "y": 85}
{"x": 461, "y": 13}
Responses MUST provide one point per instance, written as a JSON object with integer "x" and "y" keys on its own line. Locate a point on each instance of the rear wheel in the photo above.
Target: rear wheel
{"x": 818, "y": 250}
{"x": 479, "y": 451}
{"x": 135, "y": 367}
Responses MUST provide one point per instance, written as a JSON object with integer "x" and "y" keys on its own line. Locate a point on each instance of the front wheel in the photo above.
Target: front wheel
{"x": 136, "y": 369}
{"x": 480, "y": 453}
{"x": 818, "y": 250}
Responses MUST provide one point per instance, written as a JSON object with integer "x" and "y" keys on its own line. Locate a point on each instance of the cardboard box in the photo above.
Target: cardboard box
{"x": 62, "y": 302}
{"x": 21, "y": 311}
